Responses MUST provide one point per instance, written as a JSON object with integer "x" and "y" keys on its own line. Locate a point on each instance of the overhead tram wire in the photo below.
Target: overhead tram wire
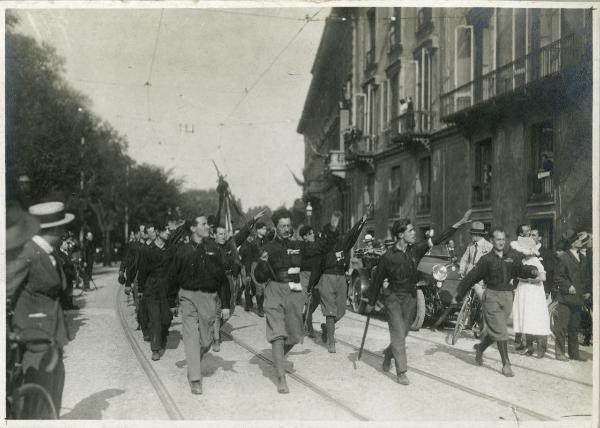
{"x": 148, "y": 83}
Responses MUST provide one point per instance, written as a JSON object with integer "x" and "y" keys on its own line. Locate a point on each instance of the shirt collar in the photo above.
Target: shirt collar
{"x": 575, "y": 253}
{"x": 45, "y": 245}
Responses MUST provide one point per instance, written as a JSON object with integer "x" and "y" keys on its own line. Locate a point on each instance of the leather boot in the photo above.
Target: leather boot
{"x": 278, "y": 360}
{"x": 519, "y": 346}
{"x": 542, "y": 344}
{"x": 331, "y": 335}
{"x": 528, "y": 345}
{"x": 506, "y": 368}
{"x": 259, "y": 302}
{"x": 480, "y": 347}
{"x": 310, "y": 331}
{"x": 387, "y": 359}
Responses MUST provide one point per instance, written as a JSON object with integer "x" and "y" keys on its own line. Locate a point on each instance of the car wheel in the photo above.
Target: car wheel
{"x": 358, "y": 305}
{"x": 420, "y": 315}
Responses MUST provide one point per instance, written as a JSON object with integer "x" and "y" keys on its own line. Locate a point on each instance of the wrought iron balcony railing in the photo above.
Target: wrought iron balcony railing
{"x": 417, "y": 122}
{"x": 541, "y": 186}
{"x": 541, "y": 63}
{"x": 337, "y": 161}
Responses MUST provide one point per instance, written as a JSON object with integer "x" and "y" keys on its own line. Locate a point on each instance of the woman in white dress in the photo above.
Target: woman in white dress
{"x": 530, "y": 312}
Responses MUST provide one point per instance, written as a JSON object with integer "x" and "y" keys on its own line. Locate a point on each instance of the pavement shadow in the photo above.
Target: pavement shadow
{"x": 372, "y": 361}
{"x": 265, "y": 367}
{"x": 211, "y": 363}
{"x": 74, "y": 322}
{"x": 93, "y": 406}
{"x": 173, "y": 339}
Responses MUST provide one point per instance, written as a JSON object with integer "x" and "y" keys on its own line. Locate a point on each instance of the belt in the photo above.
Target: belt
{"x": 283, "y": 276}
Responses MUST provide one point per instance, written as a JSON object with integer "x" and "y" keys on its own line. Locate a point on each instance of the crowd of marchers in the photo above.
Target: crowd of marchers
{"x": 201, "y": 272}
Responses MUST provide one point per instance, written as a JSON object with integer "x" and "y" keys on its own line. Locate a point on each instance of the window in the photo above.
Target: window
{"x": 358, "y": 112}
{"x": 463, "y": 66}
{"x": 482, "y": 187}
{"x": 394, "y": 95}
{"x": 395, "y": 33}
{"x": 369, "y": 193}
{"x": 423, "y": 185}
{"x": 395, "y": 192}
{"x": 373, "y": 112}
{"x": 422, "y": 116}
{"x": 370, "y": 59}
{"x": 424, "y": 16}
{"x": 541, "y": 161}
{"x": 385, "y": 119}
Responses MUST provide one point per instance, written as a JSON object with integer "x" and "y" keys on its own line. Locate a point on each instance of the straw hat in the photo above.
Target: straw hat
{"x": 51, "y": 214}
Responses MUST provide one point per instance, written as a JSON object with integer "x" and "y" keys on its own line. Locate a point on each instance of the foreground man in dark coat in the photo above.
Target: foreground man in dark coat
{"x": 399, "y": 266}
{"x": 284, "y": 295}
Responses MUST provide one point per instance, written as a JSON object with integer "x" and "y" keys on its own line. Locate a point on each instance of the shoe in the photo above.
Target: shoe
{"x": 155, "y": 356}
{"x": 402, "y": 379}
{"x": 310, "y": 332}
{"x": 331, "y": 347}
{"x": 528, "y": 352}
{"x": 323, "y": 333}
{"x": 561, "y": 358}
{"x": 146, "y": 338}
{"x": 216, "y": 346}
{"x": 247, "y": 308}
{"x": 196, "y": 387}
{"x": 282, "y": 387}
{"x": 260, "y": 313}
{"x": 507, "y": 371}
{"x": 578, "y": 358}
{"x": 387, "y": 361}
{"x": 520, "y": 347}
{"x": 71, "y": 308}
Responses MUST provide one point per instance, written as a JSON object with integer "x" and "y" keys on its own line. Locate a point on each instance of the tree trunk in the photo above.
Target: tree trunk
{"x": 106, "y": 249}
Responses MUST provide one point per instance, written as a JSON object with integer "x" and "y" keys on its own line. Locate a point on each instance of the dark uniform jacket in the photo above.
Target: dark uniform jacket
{"x": 229, "y": 250}
{"x": 400, "y": 267}
{"x": 88, "y": 253}
{"x": 199, "y": 266}
{"x": 498, "y": 273}
{"x": 154, "y": 266}
{"x": 285, "y": 254}
{"x": 570, "y": 271}
{"x": 250, "y": 251}
{"x": 549, "y": 261}
{"x": 337, "y": 260}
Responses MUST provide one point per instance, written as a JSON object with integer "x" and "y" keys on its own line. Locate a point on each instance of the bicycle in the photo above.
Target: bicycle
{"x": 26, "y": 400}
{"x": 469, "y": 316}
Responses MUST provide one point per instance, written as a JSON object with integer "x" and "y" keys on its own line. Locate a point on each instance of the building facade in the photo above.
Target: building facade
{"x": 447, "y": 108}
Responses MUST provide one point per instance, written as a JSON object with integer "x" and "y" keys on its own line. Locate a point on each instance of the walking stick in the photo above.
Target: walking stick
{"x": 362, "y": 343}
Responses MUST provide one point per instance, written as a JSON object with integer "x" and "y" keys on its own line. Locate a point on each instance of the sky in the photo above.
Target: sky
{"x": 227, "y": 73}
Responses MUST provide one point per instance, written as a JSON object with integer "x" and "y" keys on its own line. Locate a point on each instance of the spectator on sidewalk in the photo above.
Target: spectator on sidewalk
{"x": 547, "y": 258}
{"x": 478, "y": 248}
{"x": 88, "y": 256}
{"x": 523, "y": 231}
{"x": 38, "y": 276}
{"x": 573, "y": 287}
{"x": 530, "y": 311}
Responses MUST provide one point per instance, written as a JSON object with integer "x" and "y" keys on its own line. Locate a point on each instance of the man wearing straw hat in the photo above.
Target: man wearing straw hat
{"x": 38, "y": 280}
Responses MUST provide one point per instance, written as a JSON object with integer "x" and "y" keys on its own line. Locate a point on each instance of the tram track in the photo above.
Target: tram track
{"x": 533, "y": 414}
{"x": 463, "y": 352}
{"x": 166, "y": 399}
{"x": 163, "y": 394}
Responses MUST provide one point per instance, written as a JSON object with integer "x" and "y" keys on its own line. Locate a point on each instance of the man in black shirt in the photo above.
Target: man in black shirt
{"x": 399, "y": 267}
{"x": 88, "y": 254}
{"x": 250, "y": 251}
{"x": 330, "y": 274}
{"x": 284, "y": 295}
{"x": 198, "y": 275}
{"x": 499, "y": 269}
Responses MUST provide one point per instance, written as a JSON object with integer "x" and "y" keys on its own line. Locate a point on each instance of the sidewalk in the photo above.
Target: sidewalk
{"x": 103, "y": 378}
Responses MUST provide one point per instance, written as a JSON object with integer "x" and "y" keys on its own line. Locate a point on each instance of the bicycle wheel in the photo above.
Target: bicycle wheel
{"x": 32, "y": 401}
{"x": 462, "y": 319}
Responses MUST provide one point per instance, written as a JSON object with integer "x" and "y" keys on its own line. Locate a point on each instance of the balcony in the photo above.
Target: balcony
{"x": 362, "y": 149}
{"x": 537, "y": 66}
{"x": 338, "y": 163}
{"x": 541, "y": 186}
{"x": 410, "y": 128}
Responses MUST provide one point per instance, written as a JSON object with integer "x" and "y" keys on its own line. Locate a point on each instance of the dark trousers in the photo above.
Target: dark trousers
{"x": 400, "y": 311}
{"x": 159, "y": 318}
{"x": 34, "y": 369}
{"x": 142, "y": 315}
{"x": 66, "y": 298}
{"x": 568, "y": 318}
{"x": 87, "y": 274}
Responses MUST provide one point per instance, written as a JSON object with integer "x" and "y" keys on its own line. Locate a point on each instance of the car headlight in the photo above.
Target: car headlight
{"x": 440, "y": 272}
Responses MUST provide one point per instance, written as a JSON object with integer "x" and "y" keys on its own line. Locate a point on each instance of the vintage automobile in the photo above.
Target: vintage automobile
{"x": 436, "y": 288}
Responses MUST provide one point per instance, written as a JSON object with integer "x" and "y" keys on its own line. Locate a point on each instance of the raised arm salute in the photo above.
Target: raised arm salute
{"x": 399, "y": 266}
